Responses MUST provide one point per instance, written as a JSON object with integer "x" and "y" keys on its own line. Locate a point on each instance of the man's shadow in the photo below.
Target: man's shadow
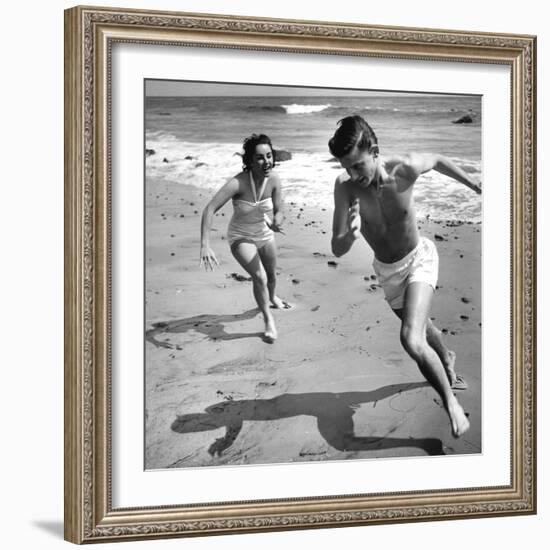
{"x": 334, "y": 413}
{"x": 210, "y": 325}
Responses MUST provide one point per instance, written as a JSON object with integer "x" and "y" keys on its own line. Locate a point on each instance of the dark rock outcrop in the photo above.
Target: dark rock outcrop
{"x": 282, "y": 156}
{"x": 466, "y": 119}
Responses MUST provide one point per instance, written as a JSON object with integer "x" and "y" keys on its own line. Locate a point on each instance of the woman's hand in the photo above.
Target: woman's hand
{"x": 274, "y": 225}
{"x": 207, "y": 258}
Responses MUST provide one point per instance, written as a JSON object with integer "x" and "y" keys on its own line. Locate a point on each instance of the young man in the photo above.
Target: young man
{"x": 374, "y": 198}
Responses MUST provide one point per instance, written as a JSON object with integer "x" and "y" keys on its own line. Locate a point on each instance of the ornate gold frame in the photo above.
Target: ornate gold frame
{"x": 89, "y": 34}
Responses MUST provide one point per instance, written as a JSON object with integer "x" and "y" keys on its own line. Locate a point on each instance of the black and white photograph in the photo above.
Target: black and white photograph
{"x": 312, "y": 274}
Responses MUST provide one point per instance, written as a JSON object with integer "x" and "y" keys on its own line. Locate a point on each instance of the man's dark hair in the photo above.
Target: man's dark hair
{"x": 249, "y": 148}
{"x": 353, "y": 131}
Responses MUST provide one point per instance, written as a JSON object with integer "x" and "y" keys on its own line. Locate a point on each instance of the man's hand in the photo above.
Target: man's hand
{"x": 354, "y": 220}
{"x": 346, "y": 221}
{"x": 207, "y": 258}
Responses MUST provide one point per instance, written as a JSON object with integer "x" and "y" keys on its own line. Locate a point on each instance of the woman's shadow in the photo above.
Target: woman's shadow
{"x": 334, "y": 413}
{"x": 210, "y": 325}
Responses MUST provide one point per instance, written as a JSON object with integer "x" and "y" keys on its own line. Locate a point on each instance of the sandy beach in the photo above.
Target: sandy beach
{"x": 335, "y": 385}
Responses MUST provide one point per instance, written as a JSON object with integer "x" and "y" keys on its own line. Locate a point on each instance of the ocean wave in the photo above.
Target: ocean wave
{"x": 308, "y": 178}
{"x": 300, "y": 109}
{"x": 267, "y": 108}
{"x": 159, "y": 136}
{"x": 292, "y": 109}
{"x": 469, "y": 166}
{"x": 405, "y": 111}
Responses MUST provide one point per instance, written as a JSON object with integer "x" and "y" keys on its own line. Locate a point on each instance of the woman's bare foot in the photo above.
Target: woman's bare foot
{"x": 277, "y": 303}
{"x": 459, "y": 421}
{"x": 270, "y": 334}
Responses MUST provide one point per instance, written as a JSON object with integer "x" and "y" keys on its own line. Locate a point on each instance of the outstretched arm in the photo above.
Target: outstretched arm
{"x": 417, "y": 164}
{"x": 207, "y": 256}
{"x": 449, "y": 168}
{"x": 346, "y": 222}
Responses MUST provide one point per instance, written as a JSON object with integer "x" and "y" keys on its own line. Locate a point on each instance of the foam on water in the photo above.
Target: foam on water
{"x": 296, "y": 109}
{"x": 308, "y": 178}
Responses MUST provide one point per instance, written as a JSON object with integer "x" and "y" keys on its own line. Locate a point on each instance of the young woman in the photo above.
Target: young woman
{"x": 257, "y": 204}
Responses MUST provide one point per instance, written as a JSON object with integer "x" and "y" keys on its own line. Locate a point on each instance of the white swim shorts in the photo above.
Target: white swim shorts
{"x": 420, "y": 265}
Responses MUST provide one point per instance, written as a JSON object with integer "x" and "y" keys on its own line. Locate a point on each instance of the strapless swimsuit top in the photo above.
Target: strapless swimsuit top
{"x": 249, "y": 217}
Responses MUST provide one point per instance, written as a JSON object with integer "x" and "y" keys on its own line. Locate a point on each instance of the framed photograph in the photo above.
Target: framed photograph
{"x": 300, "y": 274}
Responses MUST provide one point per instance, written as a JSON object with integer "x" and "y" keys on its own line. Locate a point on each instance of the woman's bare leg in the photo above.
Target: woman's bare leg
{"x": 247, "y": 255}
{"x": 268, "y": 257}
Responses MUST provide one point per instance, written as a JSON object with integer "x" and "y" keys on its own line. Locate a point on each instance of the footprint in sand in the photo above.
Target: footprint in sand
{"x": 265, "y": 384}
{"x": 238, "y": 277}
{"x": 404, "y": 402}
{"x": 394, "y": 360}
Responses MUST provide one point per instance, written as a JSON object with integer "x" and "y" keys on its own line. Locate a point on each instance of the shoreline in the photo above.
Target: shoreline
{"x": 198, "y": 194}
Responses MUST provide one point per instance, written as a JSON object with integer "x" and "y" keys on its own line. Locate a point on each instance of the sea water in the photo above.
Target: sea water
{"x": 198, "y": 140}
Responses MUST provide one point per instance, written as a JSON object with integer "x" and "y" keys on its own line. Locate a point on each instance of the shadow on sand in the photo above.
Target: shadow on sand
{"x": 334, "y": 412}
{"x": 212, "y": 326}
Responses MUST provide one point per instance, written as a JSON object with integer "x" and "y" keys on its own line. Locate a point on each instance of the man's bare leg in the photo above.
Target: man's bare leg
{"x": 435, "y": 340}
{"x": 448, "y": 357}
{"x": 414, "y": 322}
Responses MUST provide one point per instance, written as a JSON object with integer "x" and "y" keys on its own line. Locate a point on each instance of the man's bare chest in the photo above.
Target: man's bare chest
{"x": 385, "y": 206}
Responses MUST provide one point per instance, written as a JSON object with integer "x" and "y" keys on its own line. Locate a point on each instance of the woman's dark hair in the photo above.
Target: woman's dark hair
{"x": 249, "y": 148}
{"x": 353, "y": 131}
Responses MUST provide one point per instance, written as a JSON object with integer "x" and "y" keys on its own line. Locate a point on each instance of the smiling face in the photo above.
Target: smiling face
{"x": 361, "y": 166}
{"x": 262, "y": 161}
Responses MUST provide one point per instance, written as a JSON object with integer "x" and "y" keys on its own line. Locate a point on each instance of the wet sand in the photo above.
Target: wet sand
{"x": 335, "y": 385}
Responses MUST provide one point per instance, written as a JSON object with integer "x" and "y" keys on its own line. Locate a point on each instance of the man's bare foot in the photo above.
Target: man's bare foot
{"x": 270, "y": 334}
{"x": 459, "y": 421}
{"x": 449, "y": 366}
{"x": 277, "y": 303}
{"x": 456, "y": 381}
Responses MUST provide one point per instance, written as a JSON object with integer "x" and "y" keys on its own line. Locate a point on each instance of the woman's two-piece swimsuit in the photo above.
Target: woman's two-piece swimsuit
{"x": 248, "y": 222}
